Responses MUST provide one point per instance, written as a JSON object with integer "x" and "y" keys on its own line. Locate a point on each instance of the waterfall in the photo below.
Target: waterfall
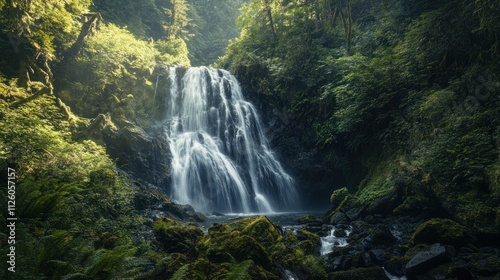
{"x": 221, "y": 160}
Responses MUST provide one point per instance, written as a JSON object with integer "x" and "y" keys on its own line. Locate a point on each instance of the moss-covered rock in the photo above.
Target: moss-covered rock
{"x": 143, "y": 153}
{"x": 308, "y": 241}
{"x": 166, "y": 267}
{"x": 338, "y": 196}
{"x": 240, "y": 246}
{"x": 314, "y": 267}
{"x": 370, "y": 273}
{"x": 261, "y": 229}
{"x": 443, "y": 231}
{"x": 174, "y": 236}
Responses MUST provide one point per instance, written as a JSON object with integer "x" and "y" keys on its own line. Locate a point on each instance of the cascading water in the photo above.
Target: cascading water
{"x": 221, "y": 160}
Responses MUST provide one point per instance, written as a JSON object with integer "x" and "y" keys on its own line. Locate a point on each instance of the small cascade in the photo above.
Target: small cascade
{"x": 221, "y": 160}
{"x": 336, "y": 238}
{"x": 393, "y": 277}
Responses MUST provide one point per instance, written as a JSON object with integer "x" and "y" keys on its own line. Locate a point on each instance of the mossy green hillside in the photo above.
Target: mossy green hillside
{"x": 443, "y": 231}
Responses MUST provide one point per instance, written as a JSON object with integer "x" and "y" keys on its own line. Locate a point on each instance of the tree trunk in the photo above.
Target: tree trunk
{"x": 91, "y": 22}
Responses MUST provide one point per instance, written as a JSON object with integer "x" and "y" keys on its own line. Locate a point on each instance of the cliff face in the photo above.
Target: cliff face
{"x": 377, "y": 101}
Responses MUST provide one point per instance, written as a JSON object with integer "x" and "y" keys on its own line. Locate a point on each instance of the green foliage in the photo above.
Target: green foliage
{"x": 45, "y": 24}
{"x": 114, "y": 52}
{"x": 377, "y": 183}
{"x": 145, "y": 19}
{"x": 67, "y": 194}
{"x": 374, "y": 80}
{"x": 176, "y": 237}
{"x": 177, "y": 13}
{"x": 110, "y": 75}
{"x": 442, "y": 230}
{"x": 182, "y": 273}
{"x": 240, "y": 271}
{"x": 338, "y": 197}
{"x": 173, "y": 52}
{"x": 212, "y": 25}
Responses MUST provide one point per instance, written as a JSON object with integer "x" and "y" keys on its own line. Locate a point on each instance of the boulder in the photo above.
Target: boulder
{"x": 369, "y": 273}
{"x": 182, "y": 212}
{"x": 337, "y": 197}
{"x": 426, "y": 260}
{"x": 380, "y": 235}
{"x": 443, "y": 231}
{"x": 239, "y": 246}
{"x": 339, "y": 218}
{"x": 143, "y": 153}
{"x": 174, "y": 237}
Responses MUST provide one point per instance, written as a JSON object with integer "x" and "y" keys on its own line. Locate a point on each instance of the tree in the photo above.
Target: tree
{"x": 178, "y": 20}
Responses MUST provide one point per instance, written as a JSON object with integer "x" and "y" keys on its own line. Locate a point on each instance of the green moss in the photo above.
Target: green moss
{"x": 371, "y": 273}
{"x": 294, "y": 257}
{"x": 377, "y": 184}
{"x": 277, "y": 251}
{"x": 206, "y": 269}
{"x": 257, "y": 272}
{"x": 314, "y": 267}
{"x": 174, "y": 236}
{"x": 338, "y": 196}
{"x": 309, "y": 242}
{"x": 240, "y": 271}
{"x": 443, "y": 231}
{"x": 261, "y": 229}
{"x": 167, "y": 266}
{"x": 241, "y": 247}
{"x": 182, "y": 273}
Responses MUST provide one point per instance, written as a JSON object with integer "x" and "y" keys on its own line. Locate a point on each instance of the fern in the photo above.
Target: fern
{"x": 240, "y": 271}
{"x": 182, "y": 273}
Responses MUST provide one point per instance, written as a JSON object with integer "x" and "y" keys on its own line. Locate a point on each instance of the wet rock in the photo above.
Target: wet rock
{"x": 340, "y": 233}
{"x": 380, "y": 235}
{"x": 261, "y": 229}
{"x": 143, "y": 153}
{"x": 379, "y": 256}
{"x": 148, "y": 196}
{"x": 174, "y": 236}
{"x": 217, "y": 214}
{"x": 484, "y": 264}
{"x": 310, "y": 220}
{"x": 308, "y": 242}
{"x": 355, "y": 213}
{"x": 240, "y": 246}
{"x": 339, "y": 218}
{"x": 443, "y": 231}
{"x": 337, "y": 197}
{"x": 370, "y": 273}
{"x": 426, "y": 260}
{"x": 396, "y": 265}
{"x": 182, "y": 212}
{"x": 385, "y": 204}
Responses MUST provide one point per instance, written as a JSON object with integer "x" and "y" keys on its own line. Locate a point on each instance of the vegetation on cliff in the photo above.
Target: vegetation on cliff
{"x": 401, "y": 99}
{"x": 75, "y": 76}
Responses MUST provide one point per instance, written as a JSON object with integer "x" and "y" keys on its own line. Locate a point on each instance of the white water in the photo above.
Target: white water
{"x": 393, "y": 277}
{"x": 221, "y": 160}
{"x": 329, "y": 242}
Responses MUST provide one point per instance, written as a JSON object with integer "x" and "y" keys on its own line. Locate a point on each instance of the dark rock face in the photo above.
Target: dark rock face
{"x": 443, "y": 231}
{"x": 142, "y": 153}
{"x": 372, "y": 273}
{"x": 175, "y": 237}
{"x": 425, "y": 260}
{"x": 182, "y": 212}
{"x": 296, "y": 147}
{"x": 401, "y": 245}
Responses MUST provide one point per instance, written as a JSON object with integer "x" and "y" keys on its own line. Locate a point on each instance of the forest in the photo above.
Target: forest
{"x": 385, "y": 114}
